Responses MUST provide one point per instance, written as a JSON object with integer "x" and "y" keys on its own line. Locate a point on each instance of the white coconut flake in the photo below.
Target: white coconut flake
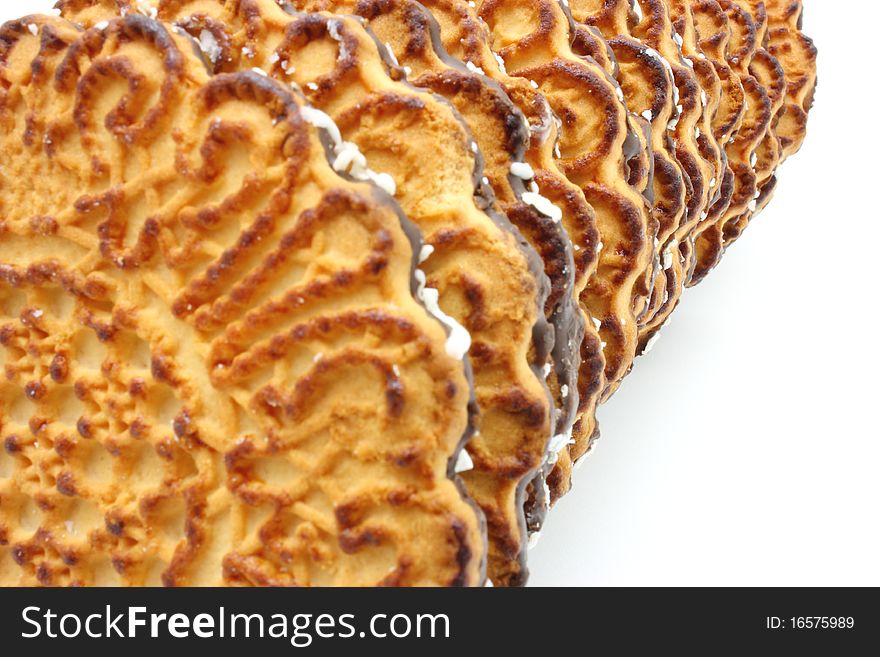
{"x": 33, "y": 29}
{"x": 651, "y": 344}
{"x": 210, "y": 47}
{"x": 619, "y": 91}
{"x": 677, "y": 38}
{"x": 473, "y": 68}
{"x": 464, "y": 462}
{"x": 459, "y": 341}
{"x": 653, "y": 54}
{"x": 543, "y": 205}
{"x": 648, "y": 115}
{"x": 103, "y": 25}
{"x": 391, "y": 54}
{"x": 753, "y": 160}
{"x": 426, "y": 252}
{"x": 559, "y": 442}
{"x": 348, "y": 159}
{"x": 637, "y": 8}
{"x": 597, "y": 323}
{"x": 145, "y": 9}
{"x": 247, "y": 52}
{"x": 321, "y": 120}
{"x": 534, "y": 539}
{"x": 501, "y": 64}
{"x": 384, "y": 181}
{"x": 522, "y": 170}
{"x": 563, "y": 390}
{"x": 260, "y": 71}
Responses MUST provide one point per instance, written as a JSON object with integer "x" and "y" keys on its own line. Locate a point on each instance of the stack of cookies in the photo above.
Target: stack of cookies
{"x": 328, "y": 292}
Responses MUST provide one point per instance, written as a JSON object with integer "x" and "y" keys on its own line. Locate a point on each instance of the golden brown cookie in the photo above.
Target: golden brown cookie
{"x": 771, "y": 76}
{"x": 216, "y": 370}
{"x": 646, "y": 78}
{"x": 757, "y": 115}
{"x": 680, "y": 139}
{"x": 596, "y": 145}
{"x": 486, "y": 279}
{"x": 501, "y": 133}
{"x": 465, "y": 36}
{"x": 757, "y": 148}
{"x": 797, "y": 54}
{"x": 712, "y": 33}
{"x": 711, "y": 97}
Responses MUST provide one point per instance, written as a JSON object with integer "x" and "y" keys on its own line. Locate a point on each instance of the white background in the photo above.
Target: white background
{"x": 745, "y": 449}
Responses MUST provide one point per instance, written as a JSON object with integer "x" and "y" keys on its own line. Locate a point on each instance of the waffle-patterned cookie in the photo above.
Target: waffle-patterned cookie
{"x": 216, "y": 370}
{"x": 533, "y": 37}
{"x": 486, "y": 279}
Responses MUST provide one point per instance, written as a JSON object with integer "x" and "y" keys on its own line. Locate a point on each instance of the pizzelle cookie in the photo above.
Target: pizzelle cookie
{"x": 216, "y": 371}
{"x": 486, "y": 279}
{"x": 533, "y": 39}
